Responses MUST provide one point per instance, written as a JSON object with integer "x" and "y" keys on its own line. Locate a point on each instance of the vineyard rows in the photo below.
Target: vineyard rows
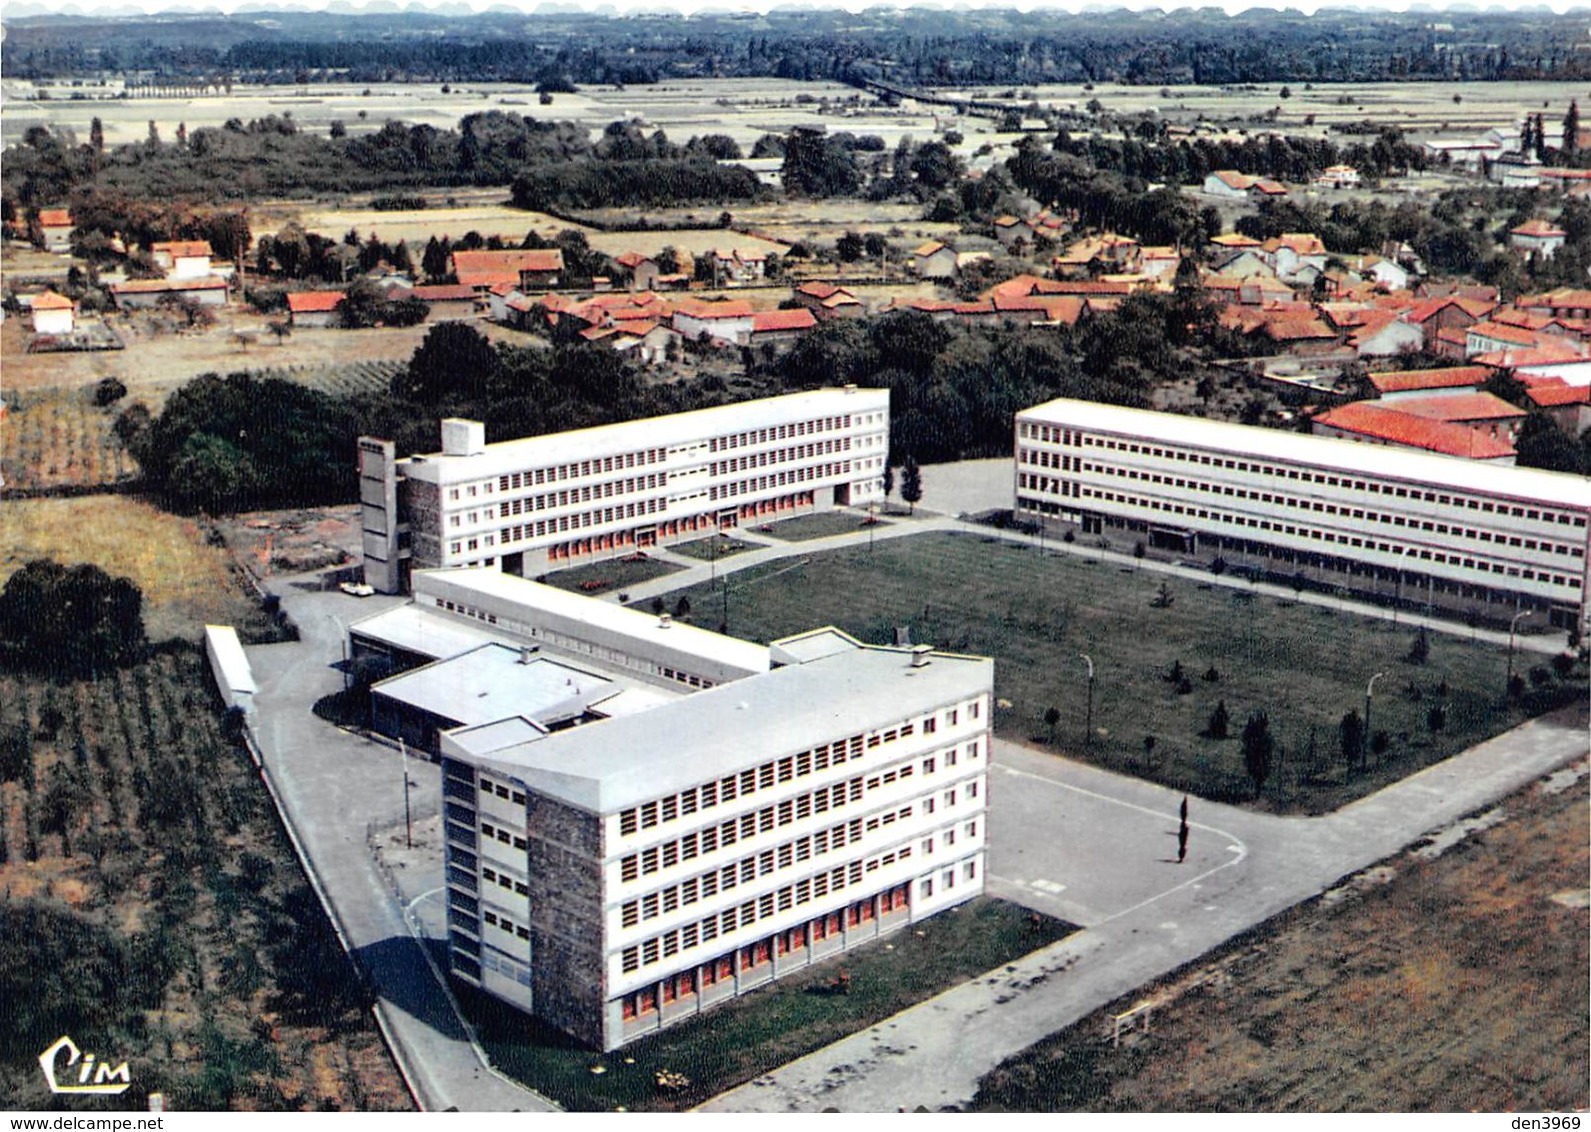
{"x": 58, "y": 438}
{"x": 348, "y": 379}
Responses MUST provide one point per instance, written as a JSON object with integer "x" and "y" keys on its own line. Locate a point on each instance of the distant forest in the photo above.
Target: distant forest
{"x": 910, "y": 48}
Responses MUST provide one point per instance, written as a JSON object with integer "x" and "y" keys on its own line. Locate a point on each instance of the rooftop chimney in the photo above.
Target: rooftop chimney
{"x": 920, "y": 655}
{"x": 664, "y": 620}
{"x": 527, "y": 653}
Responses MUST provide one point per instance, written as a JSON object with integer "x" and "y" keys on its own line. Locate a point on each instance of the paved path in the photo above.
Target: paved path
{"x": 1243, "y": 868}
{"x": 334, "y": 787}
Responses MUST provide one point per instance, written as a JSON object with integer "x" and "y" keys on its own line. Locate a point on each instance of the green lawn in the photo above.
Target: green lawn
{"x": 1304, "y": 665}
{"x": 704, "y": 550}
{"x": 820, "y": 524}
{"x": 771, "y": 1026}
{"x": 612, "y": 574}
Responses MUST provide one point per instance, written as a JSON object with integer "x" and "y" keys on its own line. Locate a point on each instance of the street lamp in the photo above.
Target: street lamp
{"x": 1512, "y": 625}
{"x": 1088, "y": 733}
{"x": 408, "y": 825}
{"x": 1369, "y": 691}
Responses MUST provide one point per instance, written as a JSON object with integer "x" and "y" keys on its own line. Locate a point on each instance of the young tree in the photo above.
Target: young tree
{"x": 911, "y": 483}
{"x": 1219, "y": 723}
{"x": 1258, "y": 748}
{"x": 1571, "y": 130}
{"x": 1351, "y": 736}
{"x": 1052, "y": 716}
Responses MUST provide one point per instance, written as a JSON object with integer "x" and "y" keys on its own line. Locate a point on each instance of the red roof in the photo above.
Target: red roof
{"x": 183, "y": 249}
{"x": 55, "y": 218}
{"x": 800, "y": 318}
{"x": 1550, "y": 351}
{"x": 701, "y": 308}
{"x": 632, "y": 259}
{"x": 50, "y": 301}
{"x": 1549, "y": 396}
{"x": 1562, "y": 299}
{"x": 1449, "y": 377}
{"x": 1459, "y": 407}
{"x": 1368, "y": 419}
{"x": 309, "y": 302}
{"x": 1292, "y": 328}
{"x": 526, "y": 259}
{"x": 439, "y": 292}
{"x": 1475, "y": 308}
{"x": 1538, "y": 230}
{"x": 1497, "y": 332}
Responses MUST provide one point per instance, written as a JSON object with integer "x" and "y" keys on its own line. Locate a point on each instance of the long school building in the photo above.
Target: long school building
{"x": 537, "y": 504}
{"x": 617, "y": 877}
{"x": 1440, "y": 530}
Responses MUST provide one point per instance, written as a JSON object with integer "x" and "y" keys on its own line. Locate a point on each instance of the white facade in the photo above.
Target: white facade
{"x": 539, "y": 503}
{"x": 620, "y": 876}
{"x": 1463, "y": 534}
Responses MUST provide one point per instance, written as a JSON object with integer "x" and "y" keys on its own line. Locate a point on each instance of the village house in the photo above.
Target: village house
{"x": 53, "y": 313}
{"x": 726, "y": 322}
{"x": 210, "y": 291}
{"x": 183, "y": 259}
{"x": 1228, "y": 184}
{"x": 1010, "y": 230}
{"x": 739, "y": 266}
{"x": 1537, "y": 237}
{"x": 447, "y": 302}
{"x": 314, "y": 308}
{"x": 826, "y": 301}
{"x": 1338, "y": 177}
{"x": 530, "y": 269}
{"x": 934, "y": 260}
{"x": 55, "y": 229}
{"x": 781, "y": 327}
{"x": 1290, "y": 252}
{"x": 1370, "y": 423}
{"x": 1399, "y": 385}
{"x": 1569, "y": 406}
{"x": 643, "y": 270}
{"x": 1483, "y": 411}
{"x": 1450, "y": 312}
{"x": 1264, "y": 189}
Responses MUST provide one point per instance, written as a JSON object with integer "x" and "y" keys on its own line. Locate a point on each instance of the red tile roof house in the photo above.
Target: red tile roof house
{"x": 55, "y": 229}
{"x": 1448, "y": 312}
{"x": 314, "y": 308}
{"x": 1569, "y": 406}
{"x": 1370, "y": 423}
{"x": 934, "y": 260}
{"x": 1537, "y": 237}
{"x": 1484, "y": 337}
{"x": 53, "y": 313}
{"x": 827, "y": 301}
{"x": 183, "y": 259}
{"x": 211, "y": 291}
{"x": 449, "y": 302}
{"x": 643, "y": 270}
{"x": 1565, "y": 302}
{"x": 775, "y": 327}
{"x": 1489, "y": 413}
{"x": 1400, "y": 384}
{"x": 727, "y": 322}
{"x": 529, "y": 268}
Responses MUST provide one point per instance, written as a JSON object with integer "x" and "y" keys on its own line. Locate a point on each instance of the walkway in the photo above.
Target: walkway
{"x": 1244, "y": 869}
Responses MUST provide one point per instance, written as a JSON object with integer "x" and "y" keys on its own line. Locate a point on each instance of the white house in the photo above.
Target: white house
{"x": 1537, "y": 237}
{"x": 724, "y": 322}
{"x": 1228, "y": 183}
{"x": 934, "y": 260}
{"x": 183, "y": 259}
{"x": 53, "y": 314}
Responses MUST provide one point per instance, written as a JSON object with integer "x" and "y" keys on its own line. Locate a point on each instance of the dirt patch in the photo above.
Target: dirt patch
{"x": 1458, "y": 984}
{"x": 293, "y": 542}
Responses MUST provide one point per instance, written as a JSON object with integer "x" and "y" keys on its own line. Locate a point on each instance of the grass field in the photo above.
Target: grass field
{"x": 1306, "y": 666}
{"x": 186, "y": 582}
{"x": 771, "y": 1026}
{"x": 613, "y": 574}
{"x": 819, "y": 524}
{"x": 1460, "y": 986}
{"x": 712, "y": 550}
{"x": 155, "y": 909}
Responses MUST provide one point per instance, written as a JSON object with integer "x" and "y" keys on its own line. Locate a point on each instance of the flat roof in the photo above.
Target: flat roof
{"x": 602, "y": 616}
{"x": 664, "y": 431}
{"x": 229, "y": 655}
{"x": 608, "y": 766}
{"x": 496, "y": 682}
{"x": 812, "y": 645}
{"x": 413, "y": 628}
{"x": 1319, "y": 451}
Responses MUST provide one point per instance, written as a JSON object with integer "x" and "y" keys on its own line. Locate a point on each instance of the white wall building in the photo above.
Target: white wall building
{"x": 630, "y": 872}
{"x": 527, "y": 506}
{"x": 1457, "y": 534}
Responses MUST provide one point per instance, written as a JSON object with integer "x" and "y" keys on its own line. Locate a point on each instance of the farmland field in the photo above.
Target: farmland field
{"x": 1164, "y": 660}
{"x": 58, "y": 438}
{"x": 154, "y": 906}
{"x": 1459, "y": 986}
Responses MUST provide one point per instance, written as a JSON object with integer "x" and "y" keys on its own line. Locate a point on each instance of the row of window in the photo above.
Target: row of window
{"x": 533, "y": 477}
{"x": 504, "y": 881}
{"x": 507, "y": 837}
{"x": 1055, "y": 435}
{"x": 779, "y": 771}
{"x": 779, "y": 479}
{"x": 1357, "y": 514}
{"x": 520, "y": 532}
{"x": 780, "y": 456}
{"x": 517, "y": 797}
{"x": 1330, "y": 537}
{"x": 769, "y": 904}
{"x": 749, "y": 868}
{"x": 754, "y": 956}
{"x": 574, "y": 495}
{"x": 778, "y": 432}
{"x": 504, "y": 924}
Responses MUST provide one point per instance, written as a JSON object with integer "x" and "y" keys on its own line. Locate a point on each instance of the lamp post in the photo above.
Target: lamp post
{"x": 408, "y": 827}
{"x": 1369, "y": 691}
{"x": 1512, "y": 625}
{"x": 1088, "y": 733}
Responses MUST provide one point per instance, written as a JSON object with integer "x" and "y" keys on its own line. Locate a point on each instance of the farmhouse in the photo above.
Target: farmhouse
{"x": 1400, "y": 384}
{"x": 53, "y": 314}
{"x": 55, "y": 229}
{"x": 447, "y": 302}
{"x": 1368, "y": 422}
{"x": 314, "y": 308}
{"x": 526, "y": 506}
{"x": 1464, "y": 533}
{"x": 642, "y": 269}
{"x": 1537, "y": 237}
{"x": 183, "y": 259}
{"x": 209, "y": 291}
{"x": 826, "y": 301}
{"x": 1229, "y": 184}
{"x": 780, "y": 327}
{"x": 531, "y": 269}
{"x": 934, "y": 260}
{"x": 724, "y": 323}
